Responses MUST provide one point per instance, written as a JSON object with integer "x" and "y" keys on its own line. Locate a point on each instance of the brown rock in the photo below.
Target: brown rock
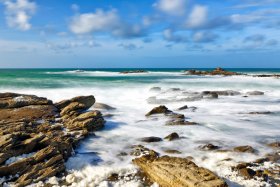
{"x": 75, "y": 106}
{"x": 32, "y": 112}
{"x": 244, "y": 149}
{"x": 103, "y": 106}
{"x": 137, "y": 71}
{"x": 273, "y": 157}
{"x": 268, "y": 112}
{"x": 172, "y": 151}
{"x": 180, "y": 122}
{"x": 151, "y": 139}
{"x": 183, "y": 107}
{"x": 158, "y": 110}
{"x": 172, "y": 136}
{"x": 247, "y": 173}
{"x": 88, "y": 101}
{"x": 207, "y": 147}
{"x": 275, "y": 144}
{"x": 176, "y": 172}
{"x": 222, "y": 151}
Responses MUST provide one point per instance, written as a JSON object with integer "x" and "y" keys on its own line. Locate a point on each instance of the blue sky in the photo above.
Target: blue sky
{"x": 148, "y": 33}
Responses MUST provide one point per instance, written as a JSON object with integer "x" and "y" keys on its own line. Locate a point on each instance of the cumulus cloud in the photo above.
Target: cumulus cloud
{"x": 253, "y": 41}
{"x": 18, "y": 14}
{"x": 172, "y": 7}
{"x": 169, "y": 35}
{"x": 147, "y": 40}
{"x": 204, "y": 37}
{"x": 127, "y": 45}
{"x": 197, "y": 18}
{"x": 91, "y": 44}
{"x": 152, "y": 19}
{"x": 272, "y": 42}
{"x": 101, "y": 21}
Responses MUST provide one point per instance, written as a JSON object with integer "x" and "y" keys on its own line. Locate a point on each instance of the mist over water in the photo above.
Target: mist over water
{"x": 222, "y": 121}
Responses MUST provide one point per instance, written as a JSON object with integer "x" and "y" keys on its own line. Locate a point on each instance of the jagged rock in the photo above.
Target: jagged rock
{"x": 151, "y": 139}
{"x": 158, "y": 110}
{"x": 275, "y": 144}
{"x": 103, "y": 106}
{"x": 75, "y": 106}
{"x": 218, "y": 71}
{"x": 172, "y": 151}
{"x": 88, "y": 101}
{"x": 183, "y": 107}
{"x": 14, "y": 100}
{"x": 273, "y": 157}
{"x": 155, "y": 89}
{"x": 90, "y": 121}
{"x": 247, "y": 173}
{"x": 255, "y": 93}
{"x": 176, "y": 172}
{"x": 180, "y": 122}
{"x": 32, "y": 112}
{"x": 207, "y": 147}
{"x": 172, "y": 136}
{"x": 244, "y": 149}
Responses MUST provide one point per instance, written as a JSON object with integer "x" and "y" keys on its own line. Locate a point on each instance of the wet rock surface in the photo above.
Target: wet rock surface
{"x": 218, "y": 71}
{"x": 158, "y": 110}
{"x": 48, "y": 143}
{"x": 244, "y": 149}
{"x": 103, "y": 106}
{"x": 172, "y": 136}
{"x": 207, "y": 147}
{"x": 176, "y": 172}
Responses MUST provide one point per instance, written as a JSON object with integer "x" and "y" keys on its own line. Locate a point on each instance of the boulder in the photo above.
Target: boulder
{"x": 14, "y": 100}
{"x": 75, "y": 106}
{"x": 212, "y": 95}
{"x": 244, "y": 149}
{"x": 158, "y": 110}
{"x": 155, "y": 89}
{"x": 172, "y": 152}
{"x": 103, "y": 106}
{"x": 176, "y": 172}
{"x": 91, "y": 121}
{"x": 255, "y": 93}
{"x": 151, "y": 139}
{"x": 88, "y": 101}
{"x": 275, "y": 144}
{"x": 268, "y": 112}
{"x": 32, "y": 112}
{"x": 207, "y": 147}
{"x": 218, "y": 71}
{"x": 183, "y": 107}
{"x": 172, "y": 136}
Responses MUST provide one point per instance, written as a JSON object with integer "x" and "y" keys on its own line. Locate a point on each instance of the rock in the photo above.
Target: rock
{"x": 75, "y": 106}
{"x": 137, "y": 71}
{"x": 268, "y": 112}
{"x": 175, "y": 116}
{"x": 172, "y": 151}
{"x": 205, "y": 93}
{"x": 207, "y": 147}
{"x": 222, "y": 151}
{"x": 32, "y": 112}
{"x": 13, "y": 100}
{"x": 180, "y": 122}
{"x": 275, "y": 144}
{"x": 247, "y": 173}
{"x": 218, "y": 71}
{"x": 172, "y": 136}
{"x": 226, "y": 93}
{"x": 151, "y": 139}
{"x": 244, "y": 149}
{"x": 103, "y": 106}
{"x": 90, "y": 121}
{"x": 191, "y": 93}
{"x": 273, "y": 157}
{"x": 173, "y": 90}
{"x": 88, "y": 101}
{"x": 155, "y": 89}
{"x": 183, "y": 107}
{"x": 255, "y": 93}
{"x": 176, "y": 172}
{"x": 158, "y": 110}
{"x": 189, "y": 158}
{"x": 212, "y": 96}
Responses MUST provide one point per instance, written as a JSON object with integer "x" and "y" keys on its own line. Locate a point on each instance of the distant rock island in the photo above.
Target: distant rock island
{"x": 137, "y": 71}
{"x": 218, "y": 71}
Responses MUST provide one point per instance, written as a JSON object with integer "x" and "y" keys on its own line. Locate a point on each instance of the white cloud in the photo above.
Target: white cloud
{"x": 104, "y": 21}
{"x": 204, "y": 37}
{"x": 171, "y": 37}
{"x": 127, "y": 45}
{"x": 61, "y": 46}
{"x": 62, "y": 33}
{"x": 172, "y": 7}
{"x": 75, "y": 7}
{"x": 91, "y": 43}
{"x": 197, "y": 17}
{"x": 18, "y": 14}
{"x": 237, "y": 18}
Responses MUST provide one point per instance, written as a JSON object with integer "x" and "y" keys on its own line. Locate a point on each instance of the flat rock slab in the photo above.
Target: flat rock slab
{"x": 33, "y": 112}
{"x": 177, "y": 172}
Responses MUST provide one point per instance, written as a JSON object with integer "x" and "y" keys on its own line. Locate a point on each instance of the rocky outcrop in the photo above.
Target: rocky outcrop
{"x": 159, "y": 110}
{"x": 172, "y": 136}
{"x": 137, "y": 71}
{"x": 183, "y": 107}
{"x": 218, "y": 71}
{"x": 176, "y": 172}
{"x": 255, "y": 93}
{"x": 207, "y": 147}
{"x": 86, "y": 101}
{"x": 180, "y": 122}
{"x": 244, "y": 149}
{"x": 103, "y": 106}
{"x": 151, "y": 139}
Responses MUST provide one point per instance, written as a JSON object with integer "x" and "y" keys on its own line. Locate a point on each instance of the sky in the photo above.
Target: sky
{"x": 139, "y": 34}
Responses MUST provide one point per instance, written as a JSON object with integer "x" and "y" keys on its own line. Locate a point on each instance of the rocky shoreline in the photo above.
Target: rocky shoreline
{"x": 48, "y": 133}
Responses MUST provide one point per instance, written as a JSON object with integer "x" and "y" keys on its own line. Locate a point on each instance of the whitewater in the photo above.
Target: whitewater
{"x": 224, "y": 122}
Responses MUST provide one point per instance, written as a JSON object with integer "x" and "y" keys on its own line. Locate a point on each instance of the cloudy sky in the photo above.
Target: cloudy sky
{"x": 147, "y": 33}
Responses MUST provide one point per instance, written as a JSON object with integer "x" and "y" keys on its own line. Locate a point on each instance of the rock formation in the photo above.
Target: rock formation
{"x": 218, "y": 71}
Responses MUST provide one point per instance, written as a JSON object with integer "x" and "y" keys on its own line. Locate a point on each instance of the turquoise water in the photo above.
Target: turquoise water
{"x": 222, "y": 121}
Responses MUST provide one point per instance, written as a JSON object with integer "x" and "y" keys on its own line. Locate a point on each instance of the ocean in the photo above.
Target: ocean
{"x": 224, "y": 122}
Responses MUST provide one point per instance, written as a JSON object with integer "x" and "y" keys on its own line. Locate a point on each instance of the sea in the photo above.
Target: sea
{"x": 224, "y": 122}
